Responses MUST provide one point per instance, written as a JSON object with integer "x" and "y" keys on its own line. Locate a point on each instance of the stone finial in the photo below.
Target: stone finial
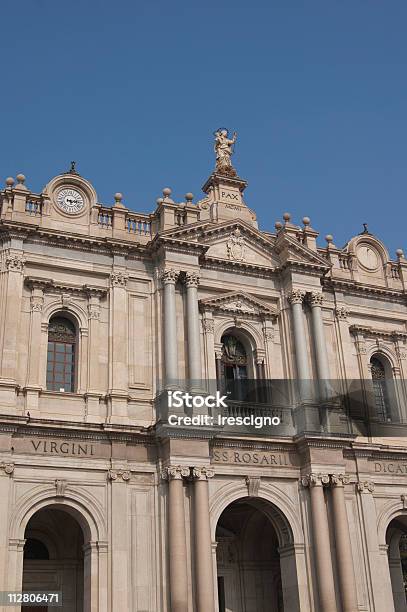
{"x": 189, "y": 197}
{"x": 118, "y": 199}
{"x": 9, "y": 182}
{"x": 278, "y": 225}
{"x": 287, "y": 217}
{"x": 329, "y": 239}
{"x": 306, "y": 221}
{"x": 167, "y": 192}
{"x": 400, "y": 254}
{"x": 20, "y": 181}
{"x": 159, "y": 201}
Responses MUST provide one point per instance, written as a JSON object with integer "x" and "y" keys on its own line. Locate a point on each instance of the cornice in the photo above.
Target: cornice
{"x": 216, "y": 263}
{"x": 357, "y": 288}
{"x": 224, "y": 302}
{"x": 380, "y": 333}
{"x": 52, "y": 285}
{"x": 176, "y": 245}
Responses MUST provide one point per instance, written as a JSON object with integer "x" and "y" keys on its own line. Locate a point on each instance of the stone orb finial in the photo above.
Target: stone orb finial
{"x": 159, "y": 201}
{"x": 118, "y": 197}
{"x": 189, "y": 196}
{"x": 20, "y": 178}
{"x": 329, "y": 238}
{"x": 306, "y": 221}
{"x": 400, "y": 253}
{"x": 287, "y": 217}
{"x": 167, "y": 192}
{"x": 9, "y": 181}
{"x": 278, "y": 225}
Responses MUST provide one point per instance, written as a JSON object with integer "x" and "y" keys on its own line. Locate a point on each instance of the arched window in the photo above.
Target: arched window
{"x": 380, "y": 391}
{"x": 233, "y": 366}
{"x": 61, "y": 355}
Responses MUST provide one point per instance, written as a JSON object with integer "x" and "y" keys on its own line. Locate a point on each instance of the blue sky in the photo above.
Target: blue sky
{"x": 132, "y": 90}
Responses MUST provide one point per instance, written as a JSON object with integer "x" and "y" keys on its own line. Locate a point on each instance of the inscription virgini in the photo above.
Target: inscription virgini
{"x": 50, "y": 447}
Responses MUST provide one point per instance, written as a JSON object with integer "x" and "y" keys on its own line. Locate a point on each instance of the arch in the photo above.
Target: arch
{"x": 280, "y": 510}
{"x": 392, "y": 509}
{"x": 247, "y": 333}
{"x": 83, "y": 507}
{"x": 72, "y": 311}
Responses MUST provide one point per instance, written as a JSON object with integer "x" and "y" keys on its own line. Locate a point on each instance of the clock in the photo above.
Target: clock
{"x": 368, "y": 257}
{"x": 70, "y": 201}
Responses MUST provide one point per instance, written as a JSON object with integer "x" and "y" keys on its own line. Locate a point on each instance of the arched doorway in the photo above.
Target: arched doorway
{"x": 252, "y": 570}
{"x": 396, "y": 540}
{"x": 54, "y": 558}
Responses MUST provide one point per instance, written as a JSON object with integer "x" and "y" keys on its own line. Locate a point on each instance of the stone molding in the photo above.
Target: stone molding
{"x": 364, "y": 330}
{"x": 192, "y": 279}
{"x": 175, "y": 472}
{"x": 202, "y": 473}
{"x": 208, "y": 326}
{"x": 296, "y": 296}
{"x": 240, "y": 304}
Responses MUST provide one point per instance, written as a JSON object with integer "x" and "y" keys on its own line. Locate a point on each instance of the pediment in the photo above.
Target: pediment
{"x": 233, "y": 241}
{"x": 238, "y": 303}
{"x": 291, "y": 252}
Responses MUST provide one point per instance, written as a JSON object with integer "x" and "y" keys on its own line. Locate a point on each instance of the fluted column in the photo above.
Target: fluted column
{"x": 194, "y": 339}
{"x": 343, "y": 544}
{"x": 176, "y": 538}
{"x": 169, "y": 278}
{"x": 322, "y": 548}
{"x": 205, "y": 597}
{"x": 315, "y": 300}
{"x": 296, "y": 298}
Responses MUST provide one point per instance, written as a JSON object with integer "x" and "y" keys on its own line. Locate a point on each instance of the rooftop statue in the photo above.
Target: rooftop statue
{"x": 224, "y": 151}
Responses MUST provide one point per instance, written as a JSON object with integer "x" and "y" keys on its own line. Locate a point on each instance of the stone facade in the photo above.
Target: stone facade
{"x": 103, "y": 502}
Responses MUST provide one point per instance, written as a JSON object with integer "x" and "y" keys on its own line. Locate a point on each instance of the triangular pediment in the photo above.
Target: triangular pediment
{"x": 238, "y": 242}
{"x": 238, "y": 303}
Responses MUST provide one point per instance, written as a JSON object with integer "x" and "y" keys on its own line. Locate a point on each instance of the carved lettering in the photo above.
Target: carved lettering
{"x": 56, "y": 447}
{"x": 393, "y": 467}
{"x": 252, "y": 458}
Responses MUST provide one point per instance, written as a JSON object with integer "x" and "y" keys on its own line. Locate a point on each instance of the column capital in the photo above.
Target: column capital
{"x": 175, "y": 472}
{"x": 296, "y": 296}
{"x": 94, "y": 311}
{"x": 203, "y": 473}
{"x": 315, "y": 480}
{"x": 192, "y": 279}
{"x": 118, "y": 279}
{"x": 315, "y": 299}
{"x": 169, "y": 277}
{"x": 123, "y": 475}
{"x": 36, "y": 303}
{"x": 15, "y": 263}
{"x": 365, "y": 486}
{"x": 8, "y": 468}
{"x": 341, "y": 313}
{"x": 339, "y": 480}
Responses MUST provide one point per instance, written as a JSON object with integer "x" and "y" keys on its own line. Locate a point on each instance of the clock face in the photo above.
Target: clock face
{"x": 70, "y": 201}
{"x": 368, "y": 257}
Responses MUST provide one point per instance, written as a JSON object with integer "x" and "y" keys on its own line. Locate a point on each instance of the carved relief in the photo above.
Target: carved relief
{"x": 7, "y": 467}
{"x": 118, "y": 279}
{"x": 15, "y": 263}
{"x": 235, "y": 246}
{"x": 341, "y": 313}
{"x": 253, "y": 485}
{"x": 365, "y": 486}
{"x": 124, "y": 475}
{"x": 60, "y": 486}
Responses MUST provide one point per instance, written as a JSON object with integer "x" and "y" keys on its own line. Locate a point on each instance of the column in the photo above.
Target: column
{"x": 296, "y": 299}
{"x": 205, "y": 596}
{"x": 93, "y": 391}
{"x": 346, "y": 572}
{"x": 91, "y": 577}
{"x": 169, "y": 278}
{"x": 120, "y": 541}
{"x": 7, "y": 580}
{"x": 194, "y": 336}
{"x": 33, "y": 385}
{"x": 12, "y": 315}
{"x": 118, "y": 343}
{"x": 176, "y": 537}
{"x": 322, "y": 548}
{"x": 315, "y": 300}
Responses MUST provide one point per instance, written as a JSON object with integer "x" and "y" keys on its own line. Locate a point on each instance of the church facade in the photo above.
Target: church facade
{"x": 118, "y": 501}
